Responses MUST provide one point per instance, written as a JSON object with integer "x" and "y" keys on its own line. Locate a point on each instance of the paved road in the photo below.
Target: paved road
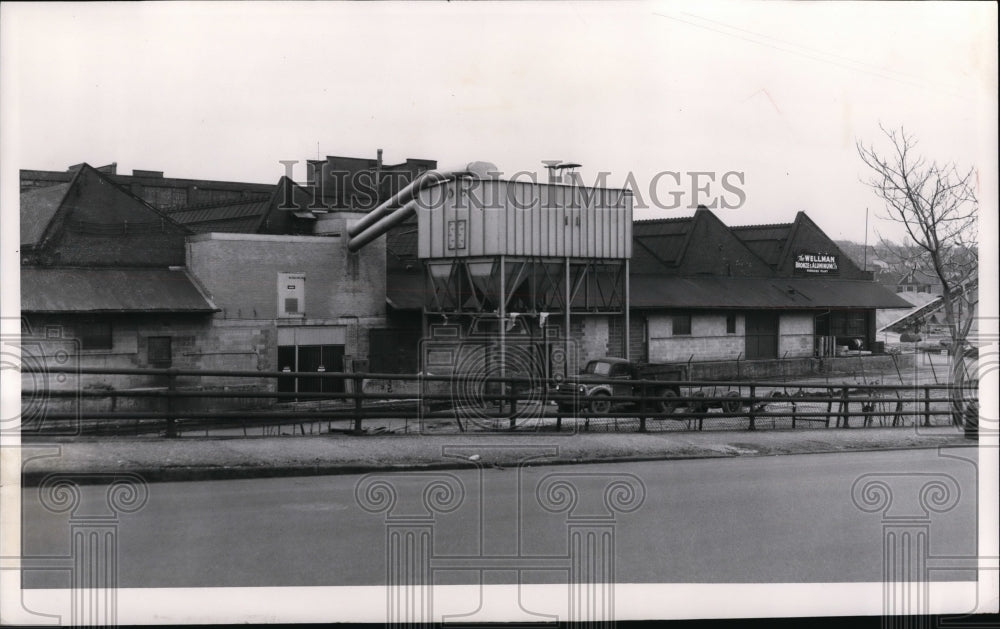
{"x": 746, "y": 519}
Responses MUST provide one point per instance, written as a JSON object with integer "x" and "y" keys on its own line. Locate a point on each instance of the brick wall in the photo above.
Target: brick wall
{"x": 240, "y": 271}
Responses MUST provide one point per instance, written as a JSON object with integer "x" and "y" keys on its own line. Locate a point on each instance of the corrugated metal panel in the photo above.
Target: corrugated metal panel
{"x": 109, "y": 290}
{"x": 495, "y": 217}
{"x": 657, "y": 291}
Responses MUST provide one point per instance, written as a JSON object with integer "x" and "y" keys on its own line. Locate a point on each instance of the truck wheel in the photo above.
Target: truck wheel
{"x": 697, "y": 407}
{"x": 731, "y": 406}
{"x": 599, "y": 403}
{"x": 668, "y": 401}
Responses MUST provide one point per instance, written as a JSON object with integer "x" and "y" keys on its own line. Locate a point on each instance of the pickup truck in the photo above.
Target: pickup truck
{"x": 595, "y": 395}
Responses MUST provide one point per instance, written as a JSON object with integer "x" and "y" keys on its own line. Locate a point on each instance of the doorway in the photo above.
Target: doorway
{"x": 761, "y": 335}
{"x": 318, "y": 358}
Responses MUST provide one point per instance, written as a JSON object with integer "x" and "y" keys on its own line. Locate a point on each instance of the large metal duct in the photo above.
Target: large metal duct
{"x": 402, "y": 204}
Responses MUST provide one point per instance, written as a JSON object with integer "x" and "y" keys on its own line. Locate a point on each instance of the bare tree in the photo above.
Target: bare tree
{"x": 937, "y": 206}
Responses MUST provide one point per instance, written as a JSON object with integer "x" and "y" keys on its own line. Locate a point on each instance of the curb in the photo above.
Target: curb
{"x": 209, "y": 473}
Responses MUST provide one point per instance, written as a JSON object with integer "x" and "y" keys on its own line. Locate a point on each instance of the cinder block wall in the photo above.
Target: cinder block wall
{"x": 708, "y": 339}
{"x": 590, "y": 338}
{"x": 795, "y": 335}
{"x": 637, "y": 337}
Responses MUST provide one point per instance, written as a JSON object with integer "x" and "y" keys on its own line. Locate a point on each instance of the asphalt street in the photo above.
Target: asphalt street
{"x": 745, "y": 519}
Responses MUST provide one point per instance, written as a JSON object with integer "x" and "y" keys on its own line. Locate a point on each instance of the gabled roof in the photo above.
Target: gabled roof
{"x": 99, "y": 290}
{"x": 767, "y": 241}
{"x": 693, "y": 245}
{"x": 37, "y": 209}
{"x": 44, "y": 212}
{"x": 659, "y": 243}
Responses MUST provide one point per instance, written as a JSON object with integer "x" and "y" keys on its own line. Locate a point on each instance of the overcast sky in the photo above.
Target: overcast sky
{"x": 776, "y": 91}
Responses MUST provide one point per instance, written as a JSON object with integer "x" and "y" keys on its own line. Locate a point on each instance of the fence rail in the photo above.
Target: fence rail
{"x": 175, "y": 401}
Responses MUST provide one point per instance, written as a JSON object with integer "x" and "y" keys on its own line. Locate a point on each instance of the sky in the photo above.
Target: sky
{"x": 776, "y": 94}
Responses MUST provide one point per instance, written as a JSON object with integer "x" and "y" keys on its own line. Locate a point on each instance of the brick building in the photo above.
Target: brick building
{"x": 258, "y": 279}
{"x": 150, "y": 271}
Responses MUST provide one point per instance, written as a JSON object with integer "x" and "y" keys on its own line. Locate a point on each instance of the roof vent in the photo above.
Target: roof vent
{"x": 562, "y": 172}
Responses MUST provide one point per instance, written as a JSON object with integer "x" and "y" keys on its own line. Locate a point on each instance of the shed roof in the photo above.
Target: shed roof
{"x": 659, "y": 291}
{"x": 73, "y": 289}
{"x": 238, "y": 215}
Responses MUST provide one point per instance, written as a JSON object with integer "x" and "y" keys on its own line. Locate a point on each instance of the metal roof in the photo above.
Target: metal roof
{"x": 659, "y": 291}
{"x": 37, "y": 209}
{"x": 62, "y": 289}
{"x": 767, "y": 241}
{"x": 220, "y": 211}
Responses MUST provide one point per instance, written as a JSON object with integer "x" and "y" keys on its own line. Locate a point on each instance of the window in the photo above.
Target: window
{"x": 291, "y": 305}
{"x": 158, "y": 351}
{"x": 730, "y": 324}
{"x": 597, "y": 367}
{"x": 619, "y": 371}
{"x": 94, "y": 334}
{"x": 682, "y": 325}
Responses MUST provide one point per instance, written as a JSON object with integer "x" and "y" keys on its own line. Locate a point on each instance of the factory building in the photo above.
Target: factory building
{"x": 703, "y": 292}
{"x": 146, "y": 271}
{"x": 255, "y": 281}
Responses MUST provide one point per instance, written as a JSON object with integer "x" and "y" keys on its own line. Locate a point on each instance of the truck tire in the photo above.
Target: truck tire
{"x": 731, "y": 406}
{"x": 599, "y": 403}
{"x": 697, "y": 407}
{"x": 667, "y": 402}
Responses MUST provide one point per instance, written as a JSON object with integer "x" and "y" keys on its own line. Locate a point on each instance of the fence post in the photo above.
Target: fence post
{"x": 357, "y": 404}
{"x": 927, "y": 406}
{"x": 844, "y": 410}
{"x": 642, "y": 407}
{"x": 513, "y": 403}
{"x": 829, "y": 405}
{"x": 753, "y": 404}
{"x": 171, "y": 406}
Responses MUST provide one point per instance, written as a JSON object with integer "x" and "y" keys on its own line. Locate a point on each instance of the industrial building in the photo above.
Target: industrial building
{"x": 372, "y": 266}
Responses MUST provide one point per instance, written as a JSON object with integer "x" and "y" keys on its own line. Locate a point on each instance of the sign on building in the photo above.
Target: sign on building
{"x": 816, "y": 263}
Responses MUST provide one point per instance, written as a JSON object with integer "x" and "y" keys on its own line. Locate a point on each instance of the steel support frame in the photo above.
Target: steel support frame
{"x": 587, "y": 286}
